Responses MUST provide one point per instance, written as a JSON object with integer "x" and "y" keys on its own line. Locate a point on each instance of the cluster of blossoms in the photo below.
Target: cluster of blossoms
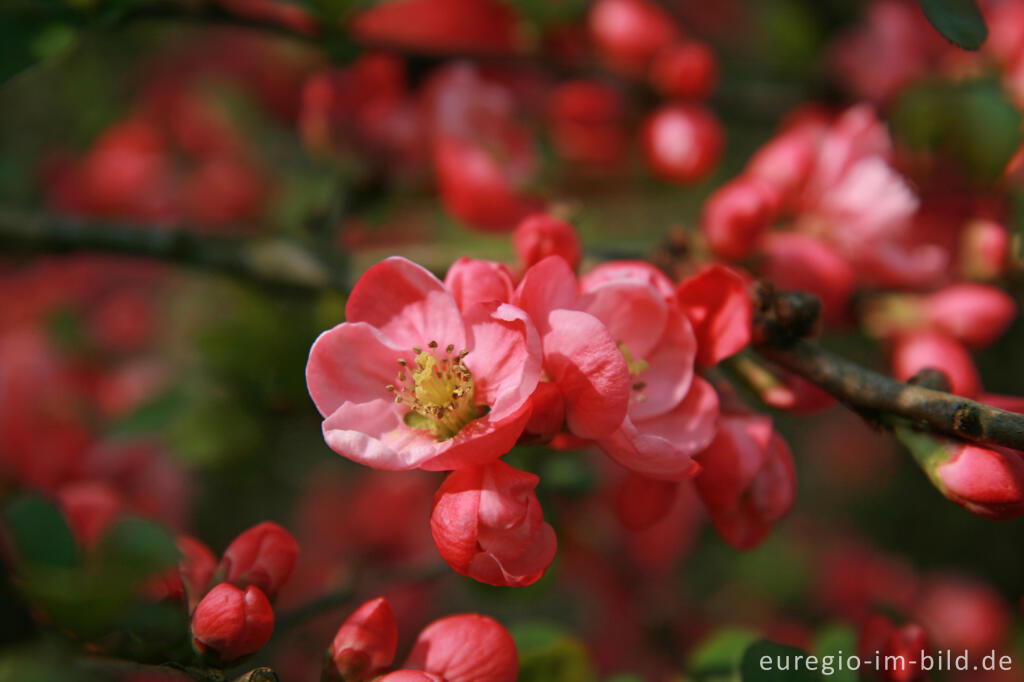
{"x": 229, "y": 603}
{"x": 451, "y": 375}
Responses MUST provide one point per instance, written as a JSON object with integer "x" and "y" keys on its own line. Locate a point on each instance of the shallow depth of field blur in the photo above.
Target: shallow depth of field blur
{"x": 175, "y": 391}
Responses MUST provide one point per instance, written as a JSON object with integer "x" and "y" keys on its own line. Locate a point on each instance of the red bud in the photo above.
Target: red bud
{"x": 263, "y": 556}
{"x": 229, "y": 623}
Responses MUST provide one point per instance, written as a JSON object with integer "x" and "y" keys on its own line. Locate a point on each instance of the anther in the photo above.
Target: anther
{"x": 450, "y": 348}
{"x": 432, "y": 344}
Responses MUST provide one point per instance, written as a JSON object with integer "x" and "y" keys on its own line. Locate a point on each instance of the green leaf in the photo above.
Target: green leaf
{"x": 40, "y": 533}
{"x": 959, "y": 21}
{"x": 763, "y": 659}
{"x": 136, "y": 549}
{"x": 720, "y": 655}
{"x": 838, "y": 642}
{"x": 549, "y": 654}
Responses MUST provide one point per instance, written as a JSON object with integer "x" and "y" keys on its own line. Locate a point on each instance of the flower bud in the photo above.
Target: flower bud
{"x": 365, "y": 643}
{"x": 747, "y": 481}
{"x": 473, "y": 281}
{"x": 682, "y": 143}
{"x": 901, "y": 647}
{"x": 629, "y": 33}
{"x": 90, "y": 507}
{"x": 488, "y": 525}
{"x": 263, "y": 556}
{"x": 985, "y": 481}
{"x": 688, "y": 70}
{"x": 962, "y": 614}
{"x": 916, "y": 351}
{"x": 466, "y": 648}
{"x": 188, "y": 581}
{"x": 229, "y": 623}
{"x": 540, "y": 235}
{"x": 737, "y": 214}
{"x": 975, "y": 314}
{"x": 587, "y": 123}
{"x": 721, "y": 312}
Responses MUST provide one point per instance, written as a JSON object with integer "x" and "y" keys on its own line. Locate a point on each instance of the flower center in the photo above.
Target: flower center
{"x": 636, "y": 367}
{"x": 438, "y": 390}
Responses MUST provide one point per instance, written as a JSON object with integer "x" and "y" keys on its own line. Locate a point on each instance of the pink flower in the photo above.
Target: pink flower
{"x": 580, "y": 356}
{"x": 720, "y": 310}
{"x": 365, "y": 643}
{"x": 976, "y": 314}
{"x": 409, "y": 381}
{"x": 747, "y": 480}
{"x": 672, "y": 412}
{"x": 794, "y": 261}
{"x": 229, "y": 623}
{"x": 263, "y": 555}
{"x": 488, "y": 525}
{"x": 737, "y": 214}
{"x": 465, "y": 648}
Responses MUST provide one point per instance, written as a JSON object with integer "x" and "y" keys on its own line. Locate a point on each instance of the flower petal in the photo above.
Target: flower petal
{"x": 669, "y": 373}
{"x": 504, "y": 357}
{"x": 548, "y": 285}
{"x": 634, "y": 313}
{"x": 407, "y": 304}
{"x": 352, "y": 362}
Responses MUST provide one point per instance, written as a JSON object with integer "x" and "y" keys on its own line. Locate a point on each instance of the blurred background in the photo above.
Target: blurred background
{"x": 187, "y": 189}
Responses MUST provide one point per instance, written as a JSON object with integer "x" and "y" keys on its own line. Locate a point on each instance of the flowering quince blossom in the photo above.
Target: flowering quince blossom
{"x": 747, "y": 480}
{"x": 410, "y": 381}
{"x": 230, "y": 623}
{"x": 488, "y": 525}
{"x": 263, "y": 555}
{"x": 463, "y": 648}
{"x": 672, "y": 412}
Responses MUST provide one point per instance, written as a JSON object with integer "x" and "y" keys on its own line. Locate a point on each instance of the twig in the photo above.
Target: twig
{"x": 783, "y": 319}
{"x": 278, "y": 263}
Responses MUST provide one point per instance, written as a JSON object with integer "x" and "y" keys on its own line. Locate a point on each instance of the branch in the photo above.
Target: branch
{"x": 272, "y": 262}
{"x": 784, "y": 319}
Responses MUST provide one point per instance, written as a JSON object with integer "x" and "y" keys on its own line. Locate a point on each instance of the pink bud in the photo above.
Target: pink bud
{"x": 540, "y": 235}
{"x": 721, "y": 312}
{"x": 747, "y": 480}
{"x": 737, "y": 214}
{"x": 688, "y": 70}
{"x": 799, "y": 262}
{"x": 914, "y": 352}
{"x": 473, "y": 281}
{"x": 90, "y": 507}
{"x": 466, "y": 648}
{"x": 975, "y": 314}
{"x": 682, "y": 143}
{"x": 587, "y": 122}
{"x": 229, "y": 623}
{"x": 963, "y": 614}
{"x": 984, "y": 250}
{"x": 263, "y": 556}
{"x": 488, "y": 525}
{"x": 985, "y": 481}
{"x": 365, "y": 643}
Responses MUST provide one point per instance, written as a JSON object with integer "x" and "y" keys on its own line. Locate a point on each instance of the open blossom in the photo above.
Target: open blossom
{"x": 410, "y": 381}
{"x": 747, "y": 480}
{"x": 488, "y": 525}
{"x": 580, "y": 355}
{"x": 672, "y": 412}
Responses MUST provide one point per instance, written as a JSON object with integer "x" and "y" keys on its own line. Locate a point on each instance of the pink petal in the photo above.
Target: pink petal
{"x": 717, "y": 303}
{"x": 352, "y": 362}
{"x": 548, "y": 285}
{"x": 633, "y": 312}
{"x": 661, "y": 447}
{"x": 358, "y": 431}
{"x": 583, "y": 360}
{"x": 466, "y": 648}
{"x": 504, "y": 357}
{"x": 669, "y": 374}
{"x": 479, "y": 442}
{"x": 633, "y": 270}
{"x": 407, "y": 304}
{"x": 473, "y": 281}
